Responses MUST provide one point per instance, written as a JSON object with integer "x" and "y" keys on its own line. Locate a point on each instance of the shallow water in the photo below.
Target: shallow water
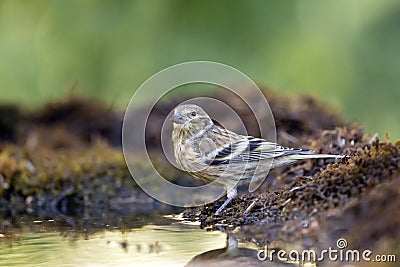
{"x": 44, "y": 243}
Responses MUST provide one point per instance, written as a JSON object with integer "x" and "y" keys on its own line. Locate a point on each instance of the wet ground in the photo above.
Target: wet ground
{"x": 64, "y": 163}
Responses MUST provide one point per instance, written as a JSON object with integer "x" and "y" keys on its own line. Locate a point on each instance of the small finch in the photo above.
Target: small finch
{"x": 210, "y": 153}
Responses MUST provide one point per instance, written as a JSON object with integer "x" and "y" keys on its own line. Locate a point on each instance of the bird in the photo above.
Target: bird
{"x": 211, "y": 153}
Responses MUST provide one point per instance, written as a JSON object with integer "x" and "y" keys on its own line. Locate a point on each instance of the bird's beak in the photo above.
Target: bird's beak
{"x": 178, "y": 119}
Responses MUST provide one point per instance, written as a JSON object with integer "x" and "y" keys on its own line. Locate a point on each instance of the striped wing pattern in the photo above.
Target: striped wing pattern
{"x": 252, "y": 149}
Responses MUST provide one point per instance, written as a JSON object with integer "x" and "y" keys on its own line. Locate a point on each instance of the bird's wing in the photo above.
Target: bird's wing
{"x": 252, "y": 149}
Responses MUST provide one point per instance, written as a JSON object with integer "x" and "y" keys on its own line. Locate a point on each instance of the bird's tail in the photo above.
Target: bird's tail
{"x": 315, "y": 156}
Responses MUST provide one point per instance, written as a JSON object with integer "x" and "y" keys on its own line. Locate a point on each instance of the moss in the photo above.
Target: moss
{"x": 65, "y": 157}
{"x": 44, "y": 173}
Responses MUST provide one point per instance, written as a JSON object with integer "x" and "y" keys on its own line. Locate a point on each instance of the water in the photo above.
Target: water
{"x": 46, "y": 243}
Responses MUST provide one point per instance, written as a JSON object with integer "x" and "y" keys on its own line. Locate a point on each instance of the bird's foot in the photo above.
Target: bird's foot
{"x": 220, "y": 209}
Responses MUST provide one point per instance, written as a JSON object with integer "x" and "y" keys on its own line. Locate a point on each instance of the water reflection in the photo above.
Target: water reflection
{"x": 46, "y": 243}
{"x": 148, "y": 240}
{"x": 231, "y": 255}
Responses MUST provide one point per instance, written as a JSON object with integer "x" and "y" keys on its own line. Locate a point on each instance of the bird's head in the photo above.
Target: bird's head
{"x": 190, "y": 119}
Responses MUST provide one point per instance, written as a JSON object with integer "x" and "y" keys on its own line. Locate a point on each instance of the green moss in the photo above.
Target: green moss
{"x": 32, "y": 172}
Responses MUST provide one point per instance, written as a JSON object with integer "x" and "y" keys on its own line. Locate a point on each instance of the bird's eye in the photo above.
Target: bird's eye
{"x": 193, "y": 113}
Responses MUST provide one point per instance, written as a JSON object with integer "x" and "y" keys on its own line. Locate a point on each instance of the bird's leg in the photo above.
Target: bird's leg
{"x": 220, "y": 209}
{"x": 230, "y": 193}
{"x": 231, "y": 242}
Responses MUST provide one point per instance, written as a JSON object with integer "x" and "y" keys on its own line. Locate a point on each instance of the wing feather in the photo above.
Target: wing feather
{"x": 252, "y": 149}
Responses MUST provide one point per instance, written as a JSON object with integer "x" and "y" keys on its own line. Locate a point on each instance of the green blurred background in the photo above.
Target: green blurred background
{"x": 347, "y": 53}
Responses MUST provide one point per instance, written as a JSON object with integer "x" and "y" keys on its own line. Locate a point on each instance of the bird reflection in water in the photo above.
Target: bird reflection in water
{"x": 232, "y": 255}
